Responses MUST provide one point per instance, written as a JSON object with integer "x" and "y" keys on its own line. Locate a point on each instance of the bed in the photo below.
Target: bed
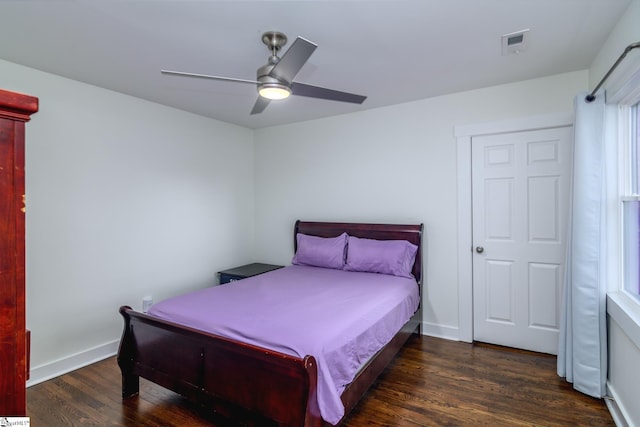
{"x": 250, "y": 381}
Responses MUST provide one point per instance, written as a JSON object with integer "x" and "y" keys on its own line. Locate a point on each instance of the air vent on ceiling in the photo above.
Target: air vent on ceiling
{"x": 515, "y": 43}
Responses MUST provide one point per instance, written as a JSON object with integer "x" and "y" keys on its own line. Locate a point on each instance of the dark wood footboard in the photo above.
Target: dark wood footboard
{"x": 236, "y": 379}
{"x": 226, "y": 375}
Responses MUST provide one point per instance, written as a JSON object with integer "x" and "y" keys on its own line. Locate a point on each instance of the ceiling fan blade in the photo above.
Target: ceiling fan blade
{"x": 260, "y": 105}
{"x": 302, "y": 89}
{"x": 206, "y": 76}
{"x": 293, "y": 59}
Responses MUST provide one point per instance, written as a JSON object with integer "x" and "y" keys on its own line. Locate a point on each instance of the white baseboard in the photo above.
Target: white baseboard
{"x": 617, "y": 411}
{"x": 70, "y": 363}
{"x": 441, "y": 331}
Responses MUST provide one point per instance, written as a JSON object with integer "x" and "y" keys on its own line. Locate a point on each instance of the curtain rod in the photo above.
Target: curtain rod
{"x": 592, "y": 96}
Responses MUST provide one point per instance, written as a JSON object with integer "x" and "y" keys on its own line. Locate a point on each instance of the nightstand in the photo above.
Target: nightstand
{"x": 242, "y": 272}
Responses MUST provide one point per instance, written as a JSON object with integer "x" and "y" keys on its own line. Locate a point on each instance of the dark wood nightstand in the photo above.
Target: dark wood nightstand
{"x": 242, "y": 272}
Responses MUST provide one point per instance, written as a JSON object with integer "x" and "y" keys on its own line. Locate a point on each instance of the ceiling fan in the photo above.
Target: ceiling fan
{"x": 275, "y": 78}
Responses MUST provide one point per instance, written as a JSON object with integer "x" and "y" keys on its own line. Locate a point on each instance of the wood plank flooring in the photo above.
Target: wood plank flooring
{"x": 432, "y": 382}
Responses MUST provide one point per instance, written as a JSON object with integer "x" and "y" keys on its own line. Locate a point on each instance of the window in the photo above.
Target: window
{"x": 631, "y": 207}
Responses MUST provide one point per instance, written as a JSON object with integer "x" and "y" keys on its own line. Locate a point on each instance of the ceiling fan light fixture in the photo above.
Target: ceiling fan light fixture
{"x": 274, "y": 91}
{"x": 274, "y": 80}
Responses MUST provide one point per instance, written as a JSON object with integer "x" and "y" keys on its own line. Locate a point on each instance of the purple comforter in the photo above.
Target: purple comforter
{"x": 342, "y": 318}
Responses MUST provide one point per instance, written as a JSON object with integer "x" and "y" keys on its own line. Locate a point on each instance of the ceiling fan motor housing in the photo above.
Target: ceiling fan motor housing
{"x": 265, "y": 80}
{"x": 263, "y": 75}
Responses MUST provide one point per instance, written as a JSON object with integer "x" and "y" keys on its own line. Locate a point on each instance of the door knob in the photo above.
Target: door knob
{"x": 479, "y": 249}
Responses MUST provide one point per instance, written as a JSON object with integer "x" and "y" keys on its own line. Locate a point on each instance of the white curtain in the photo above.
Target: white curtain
{"x": 582, "y": 350}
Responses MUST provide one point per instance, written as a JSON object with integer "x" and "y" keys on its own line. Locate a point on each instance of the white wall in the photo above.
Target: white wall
{"x": 624, "y": 348}
{"x": 125, "y": 198}
{"x": 624, "y": 375}
{"x": 393, "y": 164}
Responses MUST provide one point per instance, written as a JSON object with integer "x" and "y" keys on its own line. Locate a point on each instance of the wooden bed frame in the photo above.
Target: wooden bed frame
{"x": 253, "y": 385}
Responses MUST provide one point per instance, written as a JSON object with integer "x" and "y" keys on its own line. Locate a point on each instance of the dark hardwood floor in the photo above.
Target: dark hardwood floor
{"x": 432, "y": 382}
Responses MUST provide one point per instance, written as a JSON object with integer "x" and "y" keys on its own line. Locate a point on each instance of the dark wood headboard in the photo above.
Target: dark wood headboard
{"x": 411, "y": 233}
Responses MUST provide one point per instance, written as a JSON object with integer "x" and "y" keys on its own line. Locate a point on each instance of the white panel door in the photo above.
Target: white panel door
{"x": 520, "y": 208}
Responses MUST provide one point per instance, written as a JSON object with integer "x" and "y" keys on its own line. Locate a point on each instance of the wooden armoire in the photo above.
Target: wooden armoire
{"x": 15, "y": 111}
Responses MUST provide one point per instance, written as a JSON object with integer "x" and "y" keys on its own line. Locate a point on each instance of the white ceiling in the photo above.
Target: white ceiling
{"x": 391, "y": 51}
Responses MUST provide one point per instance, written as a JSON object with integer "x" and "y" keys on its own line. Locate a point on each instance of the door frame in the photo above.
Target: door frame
{"x": 464, "y": 135}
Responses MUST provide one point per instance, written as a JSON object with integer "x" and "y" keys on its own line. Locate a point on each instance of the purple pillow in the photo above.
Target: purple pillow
{"x": 317, "y": 251}
{"x": 395, "y": 257}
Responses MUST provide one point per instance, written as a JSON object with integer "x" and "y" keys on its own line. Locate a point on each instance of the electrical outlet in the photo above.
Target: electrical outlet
{"x": 147, "y": 302}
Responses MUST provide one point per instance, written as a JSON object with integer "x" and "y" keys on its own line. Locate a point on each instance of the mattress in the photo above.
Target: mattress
{"x": 342, "y": 318}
